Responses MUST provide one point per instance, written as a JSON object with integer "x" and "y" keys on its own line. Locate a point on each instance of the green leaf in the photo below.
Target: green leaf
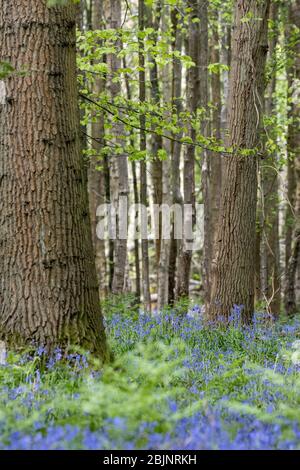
{"x": 162, "y": 154}
{"x": 6, "y": 69}
{"x": 217, "y": 67}
{"x": 60, "y": 3}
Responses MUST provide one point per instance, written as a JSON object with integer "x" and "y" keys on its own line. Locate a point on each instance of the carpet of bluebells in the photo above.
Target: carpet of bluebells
{"x": 175, "y": 383}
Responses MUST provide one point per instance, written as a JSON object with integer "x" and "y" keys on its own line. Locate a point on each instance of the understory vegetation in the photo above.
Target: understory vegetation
{"x": 176, "y": 382}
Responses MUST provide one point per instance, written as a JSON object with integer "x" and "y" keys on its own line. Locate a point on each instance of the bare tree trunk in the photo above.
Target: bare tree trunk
{"x": 289, "y": 293}
{"x": 136, "y": 201}
{"x": 48, "y": 289}
{"x": 136, "y": 241}
{"x": 111, "y": 244}
{"x": 163, "y": 272}
{"x": 96, "y": 177}
{"x": 164, "y": 261}
{"x": 118, "y": 164}
{"x": 156, "y": 140}
{"x": 215, "y": 158}
{"x": 205, "y": 166}
{"x": 185, "y": 254}
{"x": 143, "y": 164}
{"x": 291, "y": 186}
{"x": 270, "y": 241}
{"x": 233, "y": 268}
{"x": 81, "y": 24}
{"x": 294, "y": 152}
{"x": 297, "y": 288}
{"x": 225, "y": 57}
{"x": 175, "y": 149}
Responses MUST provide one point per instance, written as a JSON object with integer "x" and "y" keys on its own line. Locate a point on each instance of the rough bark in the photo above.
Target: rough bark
{"x": 297, "y": 288}
{"x": 215, "y": 158}
{"x": 81, "y": 24}
{"x": 291, "y": 186}
{"x": 294, "y": 152}
{"x": 163, "y": 271}
{"x": 225, "y": 56}
{"x": 185, "y": 252}
{"x": 48, "y": 289}
{"x": 175, "y": 149}
{"x": 271, "y": 287}
{"x": 233, "y": 268}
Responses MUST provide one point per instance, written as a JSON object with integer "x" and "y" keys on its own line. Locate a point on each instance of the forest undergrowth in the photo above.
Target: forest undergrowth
{"x": 175, "y": 383}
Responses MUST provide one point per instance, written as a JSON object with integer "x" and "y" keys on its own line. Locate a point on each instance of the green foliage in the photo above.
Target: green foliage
{"x": 60, "y": 3}
{"x": 122, "y": 304}
{"x": 136, "y": 387}
{"x": 6, "y": 69}
{"x": 217, "y": 68}
{"x": 159, "y": 360}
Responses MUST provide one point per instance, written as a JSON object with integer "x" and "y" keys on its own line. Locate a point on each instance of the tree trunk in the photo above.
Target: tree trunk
{"x": 297, "y": 287}
{"x": 118, "y": 163}
{"x": 136, "y": 241}
{"x": 175, "y": 149}
{"x": 225, "y": 56}
{"x": 164, "y": 261}
{"x": 185, "y": 252}
{"x": 81, "y": 25}
{"x": 270, "y": 241}
{"x": 233, "y": 267}
{"x": 207, "y": 195}
{"x": 136, "y": 199}
{"x": 96, "y": 176}
{"x": 48, "y": 290}
{"x": 215, "y": 158}
{"x": 156, "y": 140}
{"x": 143, "y": 164}
{"x": 163, "y": 271}
{"x": 294, "y": 153}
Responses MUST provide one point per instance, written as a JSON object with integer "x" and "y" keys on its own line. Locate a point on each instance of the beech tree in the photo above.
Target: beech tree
{"x": 143, "y": 147}
{"x": 48, "y": 288}
{"x": 176, "y": 148}
{"x": 215, "y": 159}
{"x": 294, "y": 155}
{"x": 233, "y": 268}
{"x": 185, "y": 252}
{"x": 269, "y": 250}
{"x": 96, "y": 178}
{"x": 118, "y": 160}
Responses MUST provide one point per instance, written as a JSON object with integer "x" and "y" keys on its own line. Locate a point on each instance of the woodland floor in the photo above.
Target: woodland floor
{"x": 175, "y": 384}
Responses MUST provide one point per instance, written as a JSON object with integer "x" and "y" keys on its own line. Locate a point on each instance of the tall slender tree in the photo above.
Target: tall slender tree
{"x": 209, "y": 197}
{"x": 294, "y": 154}
{"x": 215, "y": 177}
{"x": 270, "y": 255}
{"x": 185, "y": 253}
{"x": 98, "y": 165}
{"x": 233, "y": 267}
{"x": 136, "y": 198}
{"x": 164, "y": 259}
{"x": 156, "y": 141}
{"x": 143, "y": 164}
{"x": 176, "y": 147}
{"x": 48, "y": 289}
{"x": 118, "y": 163}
